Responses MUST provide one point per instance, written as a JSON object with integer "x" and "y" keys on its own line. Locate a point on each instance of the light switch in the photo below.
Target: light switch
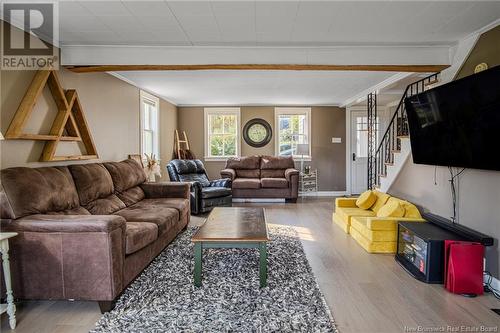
{"x": 336, "y": 140}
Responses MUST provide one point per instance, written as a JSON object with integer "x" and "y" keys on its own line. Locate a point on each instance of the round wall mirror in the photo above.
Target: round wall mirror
{"x": 257, "y": 132}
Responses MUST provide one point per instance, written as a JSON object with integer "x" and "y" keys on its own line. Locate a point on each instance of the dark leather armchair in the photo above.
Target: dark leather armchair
{"x": 205, "y": 194}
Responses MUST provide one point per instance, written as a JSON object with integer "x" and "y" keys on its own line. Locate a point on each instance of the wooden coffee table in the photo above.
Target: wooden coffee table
{"x": 232, "y": 227}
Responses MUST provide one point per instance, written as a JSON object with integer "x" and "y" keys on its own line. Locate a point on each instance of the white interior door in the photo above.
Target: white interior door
{"x": 359, "y": 151}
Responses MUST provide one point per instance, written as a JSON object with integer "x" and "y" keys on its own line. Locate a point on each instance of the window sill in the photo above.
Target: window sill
{"x": 299, "y": 158}
{"x": 217, "y": 159}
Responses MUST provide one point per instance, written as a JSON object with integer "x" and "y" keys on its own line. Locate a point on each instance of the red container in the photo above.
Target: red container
{"x": 463, "y": 267}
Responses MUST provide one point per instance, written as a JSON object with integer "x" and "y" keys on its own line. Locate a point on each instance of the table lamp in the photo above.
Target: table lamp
{"x": 302, "y": 149}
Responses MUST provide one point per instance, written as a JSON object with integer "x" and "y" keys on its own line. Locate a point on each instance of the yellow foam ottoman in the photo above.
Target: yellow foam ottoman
{"x": 373, "y": 247}
{"x": 343, "y": 225}
{"x": 342, "y": 216}
{"x": 361, "y": 225}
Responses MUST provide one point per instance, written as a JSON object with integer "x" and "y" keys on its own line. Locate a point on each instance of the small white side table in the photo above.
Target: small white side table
{"x": 9, "y": 307}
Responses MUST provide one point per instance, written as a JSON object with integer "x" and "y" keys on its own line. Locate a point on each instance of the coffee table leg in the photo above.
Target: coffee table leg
{"x": 263, "y": 264}
{"x": 197, "y": 263}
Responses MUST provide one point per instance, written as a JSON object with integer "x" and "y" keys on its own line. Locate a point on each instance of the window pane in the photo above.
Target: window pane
{"x": 362, "y": 144}
{"x": 216, "y": 145}
{"x": 216, "y": 124}
{"x": 229, "y": 145}
{"x": 147, "y": 141}
{"x": 147, "y": 116}
{"x": 284, "y": 123}
{"x": 292, "y": 131}
{"x": 230, "y": 124}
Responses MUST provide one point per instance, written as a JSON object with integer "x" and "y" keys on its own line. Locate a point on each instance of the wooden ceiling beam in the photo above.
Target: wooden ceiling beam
{"x": 259, "y": 67}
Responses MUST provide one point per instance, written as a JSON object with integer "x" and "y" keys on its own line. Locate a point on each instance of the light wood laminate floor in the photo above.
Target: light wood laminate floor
{"x": 365, "y": 292}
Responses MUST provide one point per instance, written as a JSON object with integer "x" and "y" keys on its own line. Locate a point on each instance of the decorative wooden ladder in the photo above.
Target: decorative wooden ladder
{"x": 394, "y": 147}
{"x": 180, "y": 153}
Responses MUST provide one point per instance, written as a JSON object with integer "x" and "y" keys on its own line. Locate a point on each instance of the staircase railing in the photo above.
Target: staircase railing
{"x": 397, "y": 129}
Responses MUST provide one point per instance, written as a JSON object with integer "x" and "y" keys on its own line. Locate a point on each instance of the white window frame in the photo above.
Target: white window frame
{"x": 224, "y": 111}
{"x": 144, "y": 96}
{"x": 293, "y": 111}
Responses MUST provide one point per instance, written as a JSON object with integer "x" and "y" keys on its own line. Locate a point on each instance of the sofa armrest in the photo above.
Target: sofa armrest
{"x": 228, "y": 173}
{"x": 166, "y": 190}
{"x": 290, "y": 172}
{"x": 346, "y": 202}
{"x": 225, "y": 182}
{"x": 65, "y": 223}
{"x": 68, "y": 256}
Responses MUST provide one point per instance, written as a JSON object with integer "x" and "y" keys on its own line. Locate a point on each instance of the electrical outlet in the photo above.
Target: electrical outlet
{"x": 336, "y": 140}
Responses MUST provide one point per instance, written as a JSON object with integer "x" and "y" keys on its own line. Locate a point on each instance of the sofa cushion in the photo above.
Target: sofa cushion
{"x": 366, "y": 200}
{"x": 274, "y": 182}
{"x": 151, "y": 210}
{"x": 391, "y": 209}
{"x": 244, "y": 162}
{"x": 95, "y": 188}
{"x": 345, "y": 213}
{"x": 127, "y": 175}
{"x": 272, "y": 173}
{"x": 381, "y": 200}
{"x": 181, "y": 204}
{"x": 215, "y": 192}
{"x": 139, "y": 235}
{"x": 247, "y": 173}
{"x": 75, "y": 211}
{"x": 39, "y": 190}
{"x": 252, "y": 183}
{"x": 276, "y": 162}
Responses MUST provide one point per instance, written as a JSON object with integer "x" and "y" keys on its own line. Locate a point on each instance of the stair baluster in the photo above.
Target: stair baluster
{"x": 397, "y": 128}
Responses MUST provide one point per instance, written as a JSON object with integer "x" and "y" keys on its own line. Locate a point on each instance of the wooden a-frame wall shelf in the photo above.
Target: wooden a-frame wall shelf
{"x": 69, "y": 117}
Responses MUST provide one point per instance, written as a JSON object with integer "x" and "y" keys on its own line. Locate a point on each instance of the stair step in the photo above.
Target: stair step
{"x": 396, "y": 151}
{"x": 389, "y": 163}
{"x": 403, "y": 136}
{"x": 382, "y": 175}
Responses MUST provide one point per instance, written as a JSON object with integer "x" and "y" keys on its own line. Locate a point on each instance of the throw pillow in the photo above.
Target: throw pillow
{"x": 391, "y": 209}
{"x": 366, "y": 200}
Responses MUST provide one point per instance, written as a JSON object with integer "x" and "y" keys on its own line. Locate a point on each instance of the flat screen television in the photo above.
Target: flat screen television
{"x": 458, "y": 124}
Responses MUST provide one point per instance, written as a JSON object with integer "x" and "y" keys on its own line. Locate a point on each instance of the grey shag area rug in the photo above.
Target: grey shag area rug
{"x": 163, "y": 298}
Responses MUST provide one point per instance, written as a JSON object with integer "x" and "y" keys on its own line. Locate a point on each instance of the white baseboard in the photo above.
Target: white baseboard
{"x": 257, "y": 200}
{"x": 306, "y": 194}
{"x": 323, "y": 194}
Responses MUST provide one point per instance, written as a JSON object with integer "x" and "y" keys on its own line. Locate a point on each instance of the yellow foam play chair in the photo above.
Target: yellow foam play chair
{"x": 372, "y": 219}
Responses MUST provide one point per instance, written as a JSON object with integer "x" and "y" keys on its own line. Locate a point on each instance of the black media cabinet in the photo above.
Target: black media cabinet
{"x": 420, "y": 250}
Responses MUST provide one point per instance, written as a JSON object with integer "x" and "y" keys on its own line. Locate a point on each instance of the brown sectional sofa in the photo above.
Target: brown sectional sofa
{"x": 86, "y": 231}
{"x": 263, "y": 177}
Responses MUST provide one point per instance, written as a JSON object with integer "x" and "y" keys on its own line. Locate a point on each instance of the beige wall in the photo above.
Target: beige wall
{"x": 486, "y": 50}
{"x": 168, "y": 125}
{"x": 479, "y": 190}
{"x": 111, "y": 107}
{"x": 327, "y": 157}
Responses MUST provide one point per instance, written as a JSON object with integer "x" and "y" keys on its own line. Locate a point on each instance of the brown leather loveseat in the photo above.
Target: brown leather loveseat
{"x": 263, "y": 177}
{"x": 87, "y": 230}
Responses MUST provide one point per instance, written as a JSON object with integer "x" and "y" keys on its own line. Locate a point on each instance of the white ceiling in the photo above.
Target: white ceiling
{"x": 277, "y": 23}
{"x": 325, "y": 32}
{"x": 255, "y": 87}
